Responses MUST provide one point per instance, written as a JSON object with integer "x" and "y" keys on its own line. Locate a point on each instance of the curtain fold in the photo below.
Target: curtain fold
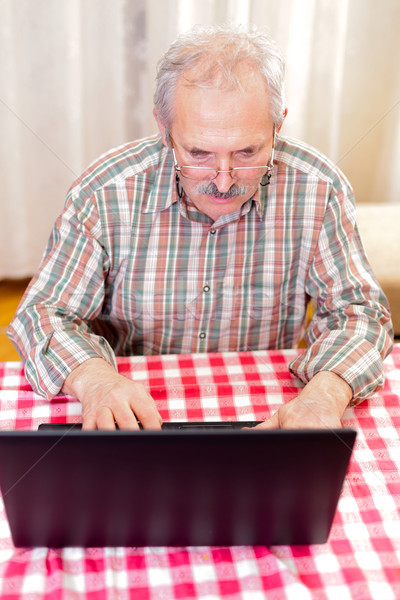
{"x": 77, "y": 78}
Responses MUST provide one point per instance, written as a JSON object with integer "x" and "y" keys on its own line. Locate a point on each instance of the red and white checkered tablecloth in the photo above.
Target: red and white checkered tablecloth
{"x": 360, "y": 561}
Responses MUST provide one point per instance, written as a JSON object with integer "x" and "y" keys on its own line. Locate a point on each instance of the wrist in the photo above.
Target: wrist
{"x": 87, "y": 376}
{"x": 329, "y": 388}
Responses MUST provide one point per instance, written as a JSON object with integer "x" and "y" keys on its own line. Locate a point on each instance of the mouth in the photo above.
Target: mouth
{"x": 221, "y": 199}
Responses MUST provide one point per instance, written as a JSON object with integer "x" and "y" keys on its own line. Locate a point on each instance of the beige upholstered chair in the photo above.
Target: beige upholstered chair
{"x": 379, "y": 226}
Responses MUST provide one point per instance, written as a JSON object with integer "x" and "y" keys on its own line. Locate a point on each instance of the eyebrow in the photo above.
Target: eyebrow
{"x": 249, "y": 149}
{"x": 196, "y": 150}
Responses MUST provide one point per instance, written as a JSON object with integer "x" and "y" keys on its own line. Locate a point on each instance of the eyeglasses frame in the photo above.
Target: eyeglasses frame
{"x": 269, "y": 166}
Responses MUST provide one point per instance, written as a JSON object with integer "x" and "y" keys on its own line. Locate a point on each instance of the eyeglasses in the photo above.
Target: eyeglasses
{"x": 241, "y": 173}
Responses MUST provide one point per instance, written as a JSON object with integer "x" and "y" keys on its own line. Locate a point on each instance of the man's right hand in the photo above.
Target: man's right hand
{"x": 109, "y": 398}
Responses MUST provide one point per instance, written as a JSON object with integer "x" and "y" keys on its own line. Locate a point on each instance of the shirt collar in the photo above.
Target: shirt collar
{"x": 162, "y": 184}
{"x": 259, "y": 201}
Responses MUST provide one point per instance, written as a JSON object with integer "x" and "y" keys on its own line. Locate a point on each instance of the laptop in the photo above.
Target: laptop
{"x": 190, "y": 484}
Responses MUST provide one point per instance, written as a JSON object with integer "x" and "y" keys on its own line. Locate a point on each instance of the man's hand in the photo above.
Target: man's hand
{"x": 108, "y": 398}
{"x": 320, "y": 405}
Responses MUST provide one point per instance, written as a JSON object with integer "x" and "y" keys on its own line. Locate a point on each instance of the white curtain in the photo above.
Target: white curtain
{"x": 76, "y": 78}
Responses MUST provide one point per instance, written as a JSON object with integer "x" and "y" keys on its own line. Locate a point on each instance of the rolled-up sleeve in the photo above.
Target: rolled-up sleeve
{"x": 50, "y": 329}
{"x": 351, "y": 331}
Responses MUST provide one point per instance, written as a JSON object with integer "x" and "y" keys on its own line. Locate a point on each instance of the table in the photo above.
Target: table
{"x": 360, "y": 561}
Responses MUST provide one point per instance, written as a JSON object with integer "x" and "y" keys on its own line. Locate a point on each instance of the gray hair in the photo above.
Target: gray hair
{"x": 219, "y": 50}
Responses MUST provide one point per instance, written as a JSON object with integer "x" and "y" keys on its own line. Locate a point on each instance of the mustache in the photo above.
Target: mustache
{"x": 211, "y": 189}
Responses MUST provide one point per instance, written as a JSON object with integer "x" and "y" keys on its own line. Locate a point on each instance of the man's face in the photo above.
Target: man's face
{"x": 221, "y": 129}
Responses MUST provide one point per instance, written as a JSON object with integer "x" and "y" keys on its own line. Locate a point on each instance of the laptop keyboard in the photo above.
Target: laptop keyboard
{"x": 172, "y": 426}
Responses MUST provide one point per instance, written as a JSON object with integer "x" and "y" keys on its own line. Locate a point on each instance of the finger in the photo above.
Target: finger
{"x": 142, "y": 409}
{"x": 150, "y": 419}
{"x": 149, "y": 416}
{"x": 105, "y": 418}
{"x": 146, "y": 411}
{"x": 88, "y": 422}
{"x": 271, "y": 423}
{"x": 125, "y": 417}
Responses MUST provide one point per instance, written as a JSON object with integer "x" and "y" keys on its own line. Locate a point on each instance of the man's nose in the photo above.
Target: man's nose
{"x": 223, "y": 181}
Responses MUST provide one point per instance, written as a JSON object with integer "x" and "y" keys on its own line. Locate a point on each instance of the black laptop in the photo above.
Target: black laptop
{"x": 190, "y": 484}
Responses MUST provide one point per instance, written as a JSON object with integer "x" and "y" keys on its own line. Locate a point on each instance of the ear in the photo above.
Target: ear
{"x": 284, "y": 117}
{"x": 162, "y": 128}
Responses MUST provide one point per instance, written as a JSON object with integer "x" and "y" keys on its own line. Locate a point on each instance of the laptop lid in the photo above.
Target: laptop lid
{"x": 172, "y": 488}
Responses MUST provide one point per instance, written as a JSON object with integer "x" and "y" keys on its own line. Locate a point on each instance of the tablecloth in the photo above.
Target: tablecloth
{"x": 361, "y": 560}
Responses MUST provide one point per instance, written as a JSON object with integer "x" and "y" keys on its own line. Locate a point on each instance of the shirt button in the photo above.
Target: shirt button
{"x": 213, "y": 231}
{"x": 202, "y": 335}
{"x": 206, "y": 288}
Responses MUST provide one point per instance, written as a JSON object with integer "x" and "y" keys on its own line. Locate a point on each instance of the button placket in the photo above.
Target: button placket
{"x": 202, "y": 334}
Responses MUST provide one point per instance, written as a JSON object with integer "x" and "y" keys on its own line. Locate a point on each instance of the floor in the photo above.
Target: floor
{"x": 10, "y": 295}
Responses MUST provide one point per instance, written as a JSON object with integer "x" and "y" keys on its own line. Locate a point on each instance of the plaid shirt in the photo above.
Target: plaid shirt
{"x": 131, "y": 269}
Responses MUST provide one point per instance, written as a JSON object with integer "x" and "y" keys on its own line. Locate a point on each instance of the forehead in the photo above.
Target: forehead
{"x": 212, "y": 114}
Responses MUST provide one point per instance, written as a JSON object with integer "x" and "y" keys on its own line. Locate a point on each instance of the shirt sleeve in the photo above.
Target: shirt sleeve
{"x": 50, "y": 329}
{"x": 351, "y": 332}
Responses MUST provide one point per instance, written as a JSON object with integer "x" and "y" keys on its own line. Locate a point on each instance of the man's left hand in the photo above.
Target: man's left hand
{"x": 320, "y": 405}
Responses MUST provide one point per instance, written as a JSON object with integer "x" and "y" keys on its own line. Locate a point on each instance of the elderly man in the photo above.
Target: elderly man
{"x": 212, "y": 236}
